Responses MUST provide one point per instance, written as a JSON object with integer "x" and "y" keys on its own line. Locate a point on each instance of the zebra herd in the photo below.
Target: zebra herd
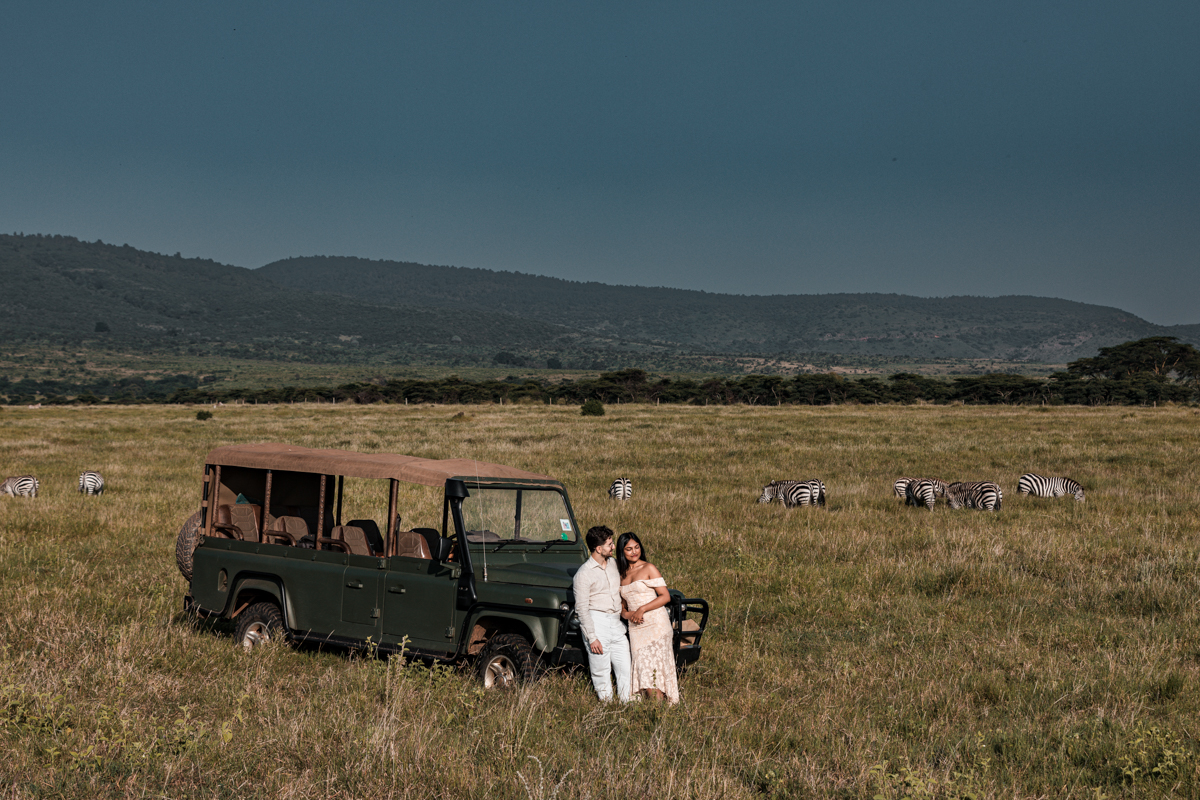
{"x": 985, "y": 495}
{"x": 90, "y": 484}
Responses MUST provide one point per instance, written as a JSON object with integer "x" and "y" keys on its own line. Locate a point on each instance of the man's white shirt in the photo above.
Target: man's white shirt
{"x": 597, "y": 588}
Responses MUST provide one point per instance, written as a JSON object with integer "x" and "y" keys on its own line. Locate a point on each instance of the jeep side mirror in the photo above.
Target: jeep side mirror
{"x": 441, "y": 549}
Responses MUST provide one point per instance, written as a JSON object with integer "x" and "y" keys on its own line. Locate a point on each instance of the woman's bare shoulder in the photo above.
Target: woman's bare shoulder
{"x": 649, "y": 572}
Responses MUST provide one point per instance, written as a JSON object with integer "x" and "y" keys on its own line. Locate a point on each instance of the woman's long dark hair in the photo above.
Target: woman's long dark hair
{"x": 626, "y": 538}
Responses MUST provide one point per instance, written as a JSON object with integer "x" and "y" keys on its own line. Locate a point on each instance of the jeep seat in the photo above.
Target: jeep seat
{"x": 431, "y": 537}
{"x": 371, "y": 529}
{"x": 355, "y": 538}
{"x": 410, "y": 544}
{"x": 289, "y": 529}
{"x": 243, "y": 516}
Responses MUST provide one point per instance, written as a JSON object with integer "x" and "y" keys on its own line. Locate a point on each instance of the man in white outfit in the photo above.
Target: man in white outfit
{"x": 598, "y": 605}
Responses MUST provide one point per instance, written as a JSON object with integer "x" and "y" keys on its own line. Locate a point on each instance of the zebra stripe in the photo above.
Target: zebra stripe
{"x": 91, "y": 483}
{"x": 794, "y": 493}
{"x": 921, "y": 493}
{"x": 984, "y": 495}
{"x": 899, "y": 488}
{"x": 621, "y": 489}
{"x": 20, "y": 486}
{"x": 1041, "y": 486}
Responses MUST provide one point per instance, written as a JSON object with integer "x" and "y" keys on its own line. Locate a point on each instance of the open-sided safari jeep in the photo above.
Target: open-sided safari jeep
{"x": 439, "y": 559}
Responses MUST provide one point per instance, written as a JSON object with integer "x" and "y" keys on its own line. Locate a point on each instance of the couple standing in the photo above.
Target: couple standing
{"x": 609, "y": 590}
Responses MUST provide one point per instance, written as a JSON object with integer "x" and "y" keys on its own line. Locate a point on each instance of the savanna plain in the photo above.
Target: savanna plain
{"x": 1051, "y": 649}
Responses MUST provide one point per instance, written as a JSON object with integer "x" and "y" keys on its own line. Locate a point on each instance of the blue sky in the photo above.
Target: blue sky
{"x": 934, "y": 149}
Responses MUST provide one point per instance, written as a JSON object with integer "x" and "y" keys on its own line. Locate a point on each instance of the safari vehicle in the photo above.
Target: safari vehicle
{"x": 309, "y": 546}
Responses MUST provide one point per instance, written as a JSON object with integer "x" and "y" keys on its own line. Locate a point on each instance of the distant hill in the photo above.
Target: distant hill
{"x": 323, "y": 310}
{"x": 61, "y": 288}
{"x": 1010, "y": 328}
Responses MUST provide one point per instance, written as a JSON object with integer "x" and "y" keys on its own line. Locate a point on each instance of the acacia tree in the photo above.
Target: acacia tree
{"x": 1162, "y": 356}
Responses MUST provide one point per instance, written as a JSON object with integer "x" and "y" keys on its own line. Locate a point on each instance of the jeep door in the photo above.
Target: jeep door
{"x": 361, "y": 589}
{"x": 419, "y": 597}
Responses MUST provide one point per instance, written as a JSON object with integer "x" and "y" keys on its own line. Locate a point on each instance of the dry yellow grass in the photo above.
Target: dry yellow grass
{"x": 1049, "y": 650}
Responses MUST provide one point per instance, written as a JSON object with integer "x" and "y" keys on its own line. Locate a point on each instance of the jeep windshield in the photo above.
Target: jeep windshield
{"x": 514, "y": 516}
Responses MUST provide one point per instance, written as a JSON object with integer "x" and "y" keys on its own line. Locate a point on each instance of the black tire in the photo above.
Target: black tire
{"x": 507, "y": 660}
{"x": 259, "y": 624}
{"x": 185, "y": 544}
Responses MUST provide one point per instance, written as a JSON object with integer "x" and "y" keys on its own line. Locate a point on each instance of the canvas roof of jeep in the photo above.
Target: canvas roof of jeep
{"x": 410, "y": 469}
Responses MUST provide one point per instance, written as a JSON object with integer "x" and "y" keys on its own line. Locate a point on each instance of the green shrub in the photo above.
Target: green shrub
{"x": 203, "y": 415}
{"x": 592, "y": 408}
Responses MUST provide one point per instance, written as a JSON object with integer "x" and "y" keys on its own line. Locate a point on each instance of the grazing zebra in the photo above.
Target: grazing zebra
{"x": 20, "y": 486}
{"x": 91, "y": 483}
{"x": 983, "y": 495}
{"x": 899, "y": 488}
{"x": 621, "y": 489}
{"x": 921, "y": 492}
{"x": 794, "y": 493}
{"x": 1040, "y": 486}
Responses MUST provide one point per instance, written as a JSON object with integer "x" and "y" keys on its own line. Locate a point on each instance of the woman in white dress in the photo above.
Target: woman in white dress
{"x": 644, "y": 595}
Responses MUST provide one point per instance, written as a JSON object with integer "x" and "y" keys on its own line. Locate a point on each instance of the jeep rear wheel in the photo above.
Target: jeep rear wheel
{"x": 507, "y": 660}
{"x": 259, "y": 624}
{"x": 185, "y": 544}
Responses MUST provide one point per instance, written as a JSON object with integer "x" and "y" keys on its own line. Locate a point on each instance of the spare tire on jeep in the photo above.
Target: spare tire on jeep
{"x": 185, "y": 543}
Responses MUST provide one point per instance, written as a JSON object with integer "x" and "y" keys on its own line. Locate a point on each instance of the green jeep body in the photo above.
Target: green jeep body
{"x": 493, "y": 580}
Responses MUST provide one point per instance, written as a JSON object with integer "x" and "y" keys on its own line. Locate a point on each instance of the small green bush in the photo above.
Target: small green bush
{"x": 203, "y": 415}
{"x": 592, "y": 408}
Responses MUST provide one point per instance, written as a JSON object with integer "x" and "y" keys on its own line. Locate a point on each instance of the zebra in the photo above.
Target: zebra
{"x": 1040, "y": 486}
{"x": 922, "y": 492}
{"x": 91, "y": 483}
{"x": 794, "y": 493}
{"x": 775, "y": 490}
{"x": 984, "y": 495}
{"x": 621, "y": 489}
{"x": 901, "y": 484}
{"x": 20, "y": 486}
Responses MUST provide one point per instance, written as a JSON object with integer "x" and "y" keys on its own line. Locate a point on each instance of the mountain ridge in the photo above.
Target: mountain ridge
{"x": 61, "y": 287}
{"x": 350, "y": 310}
{"x": 1012, "y": 327}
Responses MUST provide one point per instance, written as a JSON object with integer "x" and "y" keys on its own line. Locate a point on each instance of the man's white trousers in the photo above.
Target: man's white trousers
{"x": 610, "y": 630}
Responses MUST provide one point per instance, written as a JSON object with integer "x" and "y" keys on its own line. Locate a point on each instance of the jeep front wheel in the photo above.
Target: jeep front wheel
{"x": 259, "y": 624}
{"x": 507, "y": 660}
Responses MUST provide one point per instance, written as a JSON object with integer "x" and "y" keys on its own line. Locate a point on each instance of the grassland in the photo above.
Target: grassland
{"x": 1049, "y": 650}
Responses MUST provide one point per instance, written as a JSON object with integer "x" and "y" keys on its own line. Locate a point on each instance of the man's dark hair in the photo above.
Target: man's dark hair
{"x": 598, "y": 535}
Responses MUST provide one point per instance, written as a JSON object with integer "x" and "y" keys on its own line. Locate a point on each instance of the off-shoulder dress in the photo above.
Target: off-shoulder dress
{"x": 650, "y": 642}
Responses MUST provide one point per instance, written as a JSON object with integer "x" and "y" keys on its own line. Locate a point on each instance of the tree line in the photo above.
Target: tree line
{"x": 1143, "y": 372}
